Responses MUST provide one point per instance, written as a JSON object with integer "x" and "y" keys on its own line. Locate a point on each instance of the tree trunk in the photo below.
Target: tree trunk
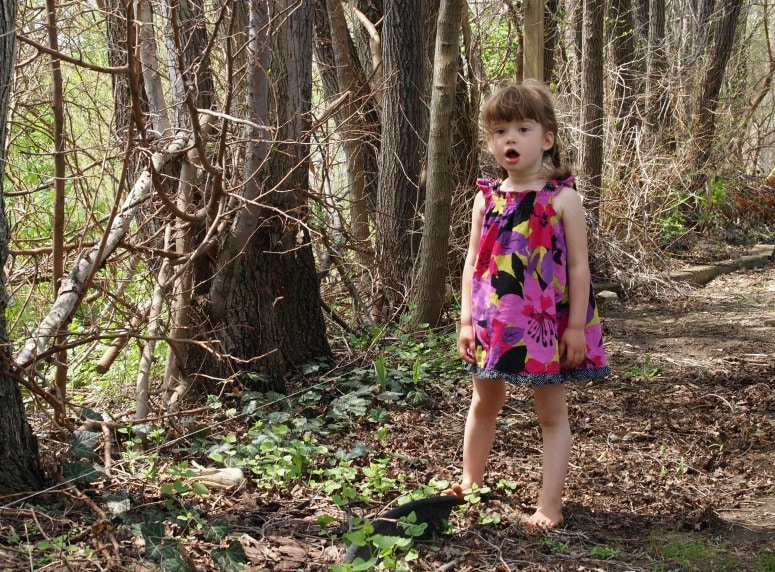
{"x": 264, "y": 301}
{"x": 402, "y": 120}
{"x": 592, "y": 106}
{"x": 551, "y": 39}
{"x": 18, "y": 446}
{"x": 533, "y": 54}
{"x": 433, "y": 269}
{"x": 625, "y": 85}
{"x": 656, "y": 62}
{"x": 723, "y": 38}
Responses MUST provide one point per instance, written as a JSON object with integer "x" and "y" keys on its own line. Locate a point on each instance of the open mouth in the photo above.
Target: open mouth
{"x": 512, "y": 154}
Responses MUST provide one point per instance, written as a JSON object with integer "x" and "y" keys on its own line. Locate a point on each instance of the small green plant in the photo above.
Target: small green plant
{"x": 380, "y": 369}
{"x": 554, "y": 546}
{"x": 603, "y": 552}
{"x": 386, "y": 552}
{"x": 474, "y": 494}
{"x": 377, "y": 481}
{"x": 486, "y": 517}
{"x": 644, "y": 371}
{"x": 767, "y": 560}
{"x": 681, "y": 551}
{"x": 507, "y": 486}
{"x": 273, "y": 452}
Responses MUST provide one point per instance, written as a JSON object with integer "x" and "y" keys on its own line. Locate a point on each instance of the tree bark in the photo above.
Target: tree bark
{"x": 723, "y": 38}
{"x": 551, "y": 39}
{"x": 403, "y": 115}
{"x": 353, "y": 128}
{"x": 592, "y": 106}
{"x": 18, "y": 446}
{"x": 433, "y": 269}
{"x": 656, "y": 63}
{"x": 58, "y": 110}
{"x": 533, "y": 54}
{"x": 264, "y": 300}
{"x": 625, "y": 85}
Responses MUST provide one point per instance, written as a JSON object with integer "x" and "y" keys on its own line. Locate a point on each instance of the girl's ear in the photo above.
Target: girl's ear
{"x": 548, "y": 141}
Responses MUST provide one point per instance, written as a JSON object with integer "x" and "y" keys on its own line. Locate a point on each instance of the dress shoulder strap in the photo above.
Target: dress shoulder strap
{"x": 555, "y": 184}
{"x": 487, "y": 186}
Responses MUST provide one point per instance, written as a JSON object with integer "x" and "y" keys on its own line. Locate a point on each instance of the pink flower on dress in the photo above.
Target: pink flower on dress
{"x": 486, "y": 244}
{"x": 540, "y": 230}
{"x": 535, "y": 366}
{"x": 541, "y": 331}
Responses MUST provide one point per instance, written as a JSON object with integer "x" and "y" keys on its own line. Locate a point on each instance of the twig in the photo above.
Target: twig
{"x": 448, "y": 566}
{"x": 102, "y": 519}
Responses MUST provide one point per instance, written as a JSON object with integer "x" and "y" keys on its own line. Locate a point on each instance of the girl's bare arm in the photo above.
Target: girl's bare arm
{"x": 573, "y": 349}
{"x": 466, "y": 341}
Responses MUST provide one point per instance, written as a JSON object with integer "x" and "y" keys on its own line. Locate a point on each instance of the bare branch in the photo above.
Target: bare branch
{"x": 71, "y": 60}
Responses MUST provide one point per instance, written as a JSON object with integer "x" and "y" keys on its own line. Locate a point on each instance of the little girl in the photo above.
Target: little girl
{"x": 528, "y": 311}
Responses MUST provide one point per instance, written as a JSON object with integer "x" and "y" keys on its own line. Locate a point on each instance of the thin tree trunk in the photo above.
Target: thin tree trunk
{"x": 433, "y": 269}
{"x": 352, "y": 127}
{"x": 403, "y": 110}
{"x": 592, "y": 106}
{"x": 625, "y": 85}
{"x": 58, "y": 254}
{"x": 656, "y": 62}
{"x": 723, "y": 38}
{"x": 533, "y": 54}
{"x": 150, "y": 74}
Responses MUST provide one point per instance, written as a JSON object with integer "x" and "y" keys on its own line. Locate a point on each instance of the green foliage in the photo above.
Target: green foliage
{"x": 231, "y": 559}
{"x": 387, "y": 552}
{"x": 603, "y": 552}
{"x": 767, "y": 560}
{"x": 682, "y": 553}
{"x": 643, "y": 371}
{"x": 182, "y": 474}
{"x": 499, "y": 34}
{"x": 273, "y": 452}
{"x": 554, "y": 545}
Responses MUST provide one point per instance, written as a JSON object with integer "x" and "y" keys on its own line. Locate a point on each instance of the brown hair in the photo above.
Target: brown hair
{"x": 527, "y": 100}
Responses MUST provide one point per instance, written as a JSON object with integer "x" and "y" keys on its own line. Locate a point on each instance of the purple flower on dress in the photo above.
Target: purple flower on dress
{"x": 539, "y": 309}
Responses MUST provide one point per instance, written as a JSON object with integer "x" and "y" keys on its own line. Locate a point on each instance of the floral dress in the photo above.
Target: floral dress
{"x": 519, "y": 297}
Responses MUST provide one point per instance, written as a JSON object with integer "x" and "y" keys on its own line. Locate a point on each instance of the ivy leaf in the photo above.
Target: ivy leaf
{"x": 83, "y": 444}
{"x": 215, "y": 531}
{"x": 82, "y": 472}
{"x": 118, "y": 504}
{"x": 166, "y": 553}
{"x": 172, "y": 559}
{"x": 349, "y": 405}
{"x": 153, "y": 533}
{"x": 232, "y": 559}
{"x": 91, "y": 414}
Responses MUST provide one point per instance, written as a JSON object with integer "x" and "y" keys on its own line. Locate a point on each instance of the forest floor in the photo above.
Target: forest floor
{"x": 673, "y": 466}
{"x": 674, "y": 455}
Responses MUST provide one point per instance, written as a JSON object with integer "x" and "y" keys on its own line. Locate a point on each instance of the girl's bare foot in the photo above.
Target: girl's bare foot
{"x": 457, "y": 490}
{"x": 543, "y": 518}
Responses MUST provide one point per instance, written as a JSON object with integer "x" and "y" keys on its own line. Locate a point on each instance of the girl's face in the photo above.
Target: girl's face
{"x": 519, "y": 146}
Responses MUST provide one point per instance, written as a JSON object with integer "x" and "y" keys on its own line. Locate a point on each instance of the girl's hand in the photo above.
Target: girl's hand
{"x": 466, "y": 344}
{"x": 573, "y": 348}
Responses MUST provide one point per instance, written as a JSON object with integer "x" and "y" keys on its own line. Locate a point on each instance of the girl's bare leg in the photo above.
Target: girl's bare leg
{"x": 486, "y": 403}
{"x": 552, "y": 411}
